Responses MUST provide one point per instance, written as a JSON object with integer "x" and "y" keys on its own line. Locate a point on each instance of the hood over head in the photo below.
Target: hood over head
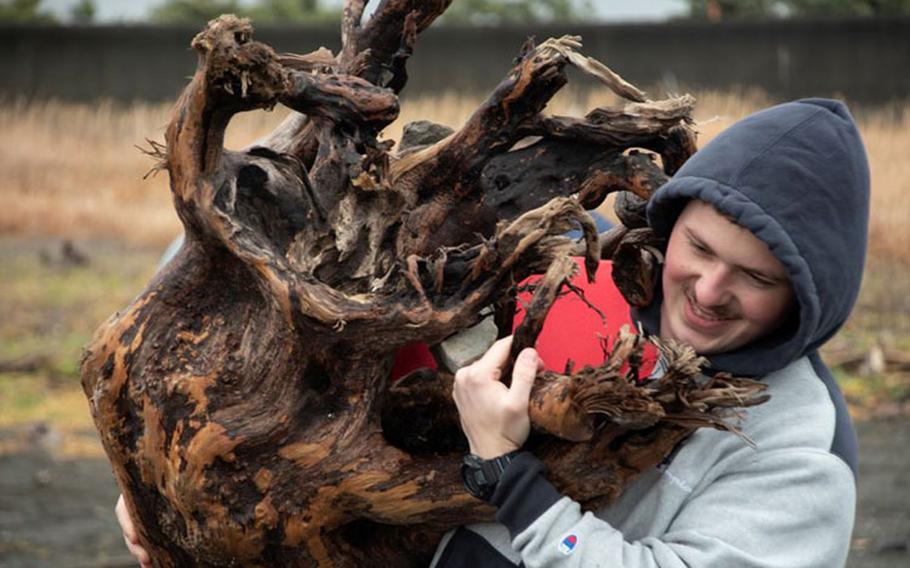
{"x": 796, "y": 176}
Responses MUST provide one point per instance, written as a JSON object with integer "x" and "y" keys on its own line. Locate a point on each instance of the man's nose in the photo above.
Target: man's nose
{"x": 712, "y": 289}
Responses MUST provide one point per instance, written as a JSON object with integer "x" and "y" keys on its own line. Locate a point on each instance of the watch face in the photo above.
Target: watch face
{"x": 474, "y": 479}
{"x": 482, "y": 476}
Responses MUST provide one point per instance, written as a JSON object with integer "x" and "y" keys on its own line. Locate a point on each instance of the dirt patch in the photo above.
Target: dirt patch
{"x": 881, "y": 536}
{"x": 58, "y": 513}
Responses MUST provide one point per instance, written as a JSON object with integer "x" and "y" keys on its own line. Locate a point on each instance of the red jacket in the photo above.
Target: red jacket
{"x": 572, "y": 329}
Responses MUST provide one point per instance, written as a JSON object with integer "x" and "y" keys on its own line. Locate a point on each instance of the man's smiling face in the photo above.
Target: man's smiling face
{"x": 722, "y": 286}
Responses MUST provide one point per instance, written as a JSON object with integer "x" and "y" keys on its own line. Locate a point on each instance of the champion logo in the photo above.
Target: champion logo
{"x": 568, "y": 544}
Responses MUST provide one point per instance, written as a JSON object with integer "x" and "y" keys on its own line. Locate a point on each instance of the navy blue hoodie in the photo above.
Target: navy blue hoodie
{"x": 796, "y": 176}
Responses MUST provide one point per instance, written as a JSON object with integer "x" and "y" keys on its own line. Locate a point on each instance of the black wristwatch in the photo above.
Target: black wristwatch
{"x": 481, "y": 476}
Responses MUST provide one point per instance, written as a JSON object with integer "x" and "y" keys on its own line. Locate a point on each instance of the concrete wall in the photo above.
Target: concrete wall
{"x": 866, "y": 61}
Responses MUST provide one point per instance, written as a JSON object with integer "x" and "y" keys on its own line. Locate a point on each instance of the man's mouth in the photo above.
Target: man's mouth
{"x": 705, "y": 318}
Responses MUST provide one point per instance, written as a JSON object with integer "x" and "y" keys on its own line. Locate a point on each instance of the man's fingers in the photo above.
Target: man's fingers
{"x": 126, "y": 523}
{"x": 492, "y": 362}
{"x": 497, "y": 354}
{"x": 523, "y": 374}
{"x": 129, "y": 534}
{"x": 139, "y": 553}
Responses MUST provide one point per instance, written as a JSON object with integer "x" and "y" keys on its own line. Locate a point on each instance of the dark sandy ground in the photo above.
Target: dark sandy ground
{"x": 59, "y": 513}
{"x": 881, "y": 536}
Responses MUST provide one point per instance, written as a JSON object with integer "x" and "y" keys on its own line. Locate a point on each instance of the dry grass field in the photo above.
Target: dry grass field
{"x": 73, "y": 172}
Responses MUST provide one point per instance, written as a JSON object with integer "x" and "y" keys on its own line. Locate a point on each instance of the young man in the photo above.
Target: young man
{"x": 767, "y": 234}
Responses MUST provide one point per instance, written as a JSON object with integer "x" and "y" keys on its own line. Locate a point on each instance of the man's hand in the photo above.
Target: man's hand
{"x": 129, "y": 535}
{"x": 493, "y": 416}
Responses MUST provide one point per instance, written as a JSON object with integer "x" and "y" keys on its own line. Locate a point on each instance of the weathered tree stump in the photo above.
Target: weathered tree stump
{"x": 243, "y": 396}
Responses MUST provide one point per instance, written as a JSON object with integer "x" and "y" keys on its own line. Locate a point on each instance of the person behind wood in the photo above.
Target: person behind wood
{"x": 767, "y": 229}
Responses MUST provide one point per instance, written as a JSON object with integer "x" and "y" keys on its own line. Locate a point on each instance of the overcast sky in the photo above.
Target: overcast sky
{"x": 108, "y": 11}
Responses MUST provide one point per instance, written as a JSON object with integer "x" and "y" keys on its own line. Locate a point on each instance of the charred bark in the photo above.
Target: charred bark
{"x": 244, "y": 399}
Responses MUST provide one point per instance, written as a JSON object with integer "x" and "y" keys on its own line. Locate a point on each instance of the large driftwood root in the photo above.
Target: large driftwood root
{"x": 240, "y": 396}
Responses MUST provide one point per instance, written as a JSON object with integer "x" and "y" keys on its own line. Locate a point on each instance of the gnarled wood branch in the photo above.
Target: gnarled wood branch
{"x": 244, "y": 399}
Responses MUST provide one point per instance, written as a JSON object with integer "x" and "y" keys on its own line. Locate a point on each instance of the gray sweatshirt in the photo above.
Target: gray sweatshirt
{"x": 789, "y": 502}
{"x": 796, "y": 176}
